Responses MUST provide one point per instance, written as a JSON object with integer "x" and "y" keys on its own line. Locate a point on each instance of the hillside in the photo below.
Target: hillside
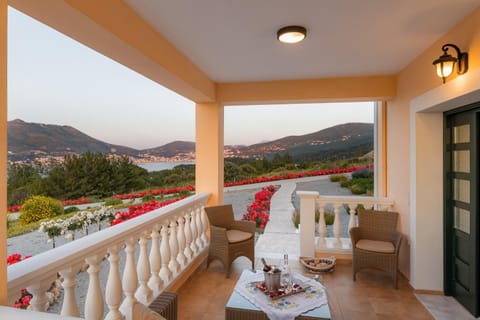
{"x": 171, "y": 149}
{"x": 341, "y": 141}
{"x": 27, "y": 141}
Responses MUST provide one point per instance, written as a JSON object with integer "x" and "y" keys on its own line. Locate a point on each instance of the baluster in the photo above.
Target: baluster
{"x": 155, "y": 282}
{"x": 351, "y": 221}
{"x": 69, "y": 306}
{"x": 181, "y": 242}
{"x": 193, "y": 229}
{"x": 129, "y": 279}
{"x": 113, "y": 290}
{"x": 39, "y": 289}
{"x": 337, "y": 227}
{"x": 94, "y": 299}
{"x": 204, "y": 221}
{"x": 188, "y": 238}
{"x": 165, "y": 272}
{"x": 198, "y": 223}
{"x": 322, "y": 226}
{"x": 144, "y": 294}
{"x": 173, "y": 264}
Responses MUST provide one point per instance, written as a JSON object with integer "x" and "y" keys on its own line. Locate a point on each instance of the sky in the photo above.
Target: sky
{"x": 53, "y": 79}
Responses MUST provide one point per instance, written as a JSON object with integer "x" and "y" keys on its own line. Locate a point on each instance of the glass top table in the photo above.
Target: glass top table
{"x": 239, "y": 308}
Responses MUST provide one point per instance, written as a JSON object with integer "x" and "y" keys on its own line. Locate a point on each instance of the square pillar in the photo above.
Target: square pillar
{"x": 209, "y": 150}
{"x": 3, "y": 152}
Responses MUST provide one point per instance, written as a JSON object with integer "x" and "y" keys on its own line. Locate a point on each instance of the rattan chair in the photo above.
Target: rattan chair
{"x": 229, "y": 239}
{"x": 376, "y": 242}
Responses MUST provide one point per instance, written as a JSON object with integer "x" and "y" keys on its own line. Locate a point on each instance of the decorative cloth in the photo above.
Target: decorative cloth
{"x": 285, "y": 308}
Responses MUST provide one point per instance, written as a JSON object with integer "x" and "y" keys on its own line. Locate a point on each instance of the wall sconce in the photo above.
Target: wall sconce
{"x": 445, "y": 63}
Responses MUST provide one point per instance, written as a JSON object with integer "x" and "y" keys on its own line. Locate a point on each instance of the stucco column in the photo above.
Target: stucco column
{"x": 209, "y": 151}
{"x": 3, "y": 152}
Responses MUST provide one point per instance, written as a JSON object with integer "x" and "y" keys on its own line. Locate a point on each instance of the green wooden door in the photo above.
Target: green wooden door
{"x": 461, "y": 212}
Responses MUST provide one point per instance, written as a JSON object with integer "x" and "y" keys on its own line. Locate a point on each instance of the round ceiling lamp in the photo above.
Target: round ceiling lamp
{"x": 291, "y": 34}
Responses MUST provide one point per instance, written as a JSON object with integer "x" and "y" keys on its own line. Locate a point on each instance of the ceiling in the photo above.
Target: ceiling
{"x": 235, "y": 41}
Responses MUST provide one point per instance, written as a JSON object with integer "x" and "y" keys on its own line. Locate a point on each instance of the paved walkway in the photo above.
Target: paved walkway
{"x": 280, "y": 235}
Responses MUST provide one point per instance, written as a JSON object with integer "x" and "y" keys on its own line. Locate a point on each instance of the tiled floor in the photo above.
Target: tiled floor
{"x": 370, "y": 297}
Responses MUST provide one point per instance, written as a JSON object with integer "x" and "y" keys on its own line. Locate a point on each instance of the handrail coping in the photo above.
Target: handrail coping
{"x": 308, "y": 194}
{"x": 43, "y": 265}
{"x": 355, "y": 199}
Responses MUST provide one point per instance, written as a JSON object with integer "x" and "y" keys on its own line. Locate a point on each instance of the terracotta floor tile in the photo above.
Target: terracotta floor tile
{"x": 372, "y": 296}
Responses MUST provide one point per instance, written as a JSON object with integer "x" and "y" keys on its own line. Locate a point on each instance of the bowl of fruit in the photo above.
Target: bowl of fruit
{"x": 317, "y": 265}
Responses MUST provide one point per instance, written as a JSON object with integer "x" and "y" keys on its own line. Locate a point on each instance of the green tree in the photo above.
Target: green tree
{"x": 23, "y": 181}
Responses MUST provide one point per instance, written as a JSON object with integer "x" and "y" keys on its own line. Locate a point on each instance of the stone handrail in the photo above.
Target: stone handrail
{"x": 175, "y": 234}
{"x": 310, "y": 201}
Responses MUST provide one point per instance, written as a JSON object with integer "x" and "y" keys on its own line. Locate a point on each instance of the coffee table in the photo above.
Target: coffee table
{"x": 239, "y": 308}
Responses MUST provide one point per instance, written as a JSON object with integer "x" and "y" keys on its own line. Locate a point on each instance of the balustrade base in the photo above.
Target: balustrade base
{"x": 333, "y": 245}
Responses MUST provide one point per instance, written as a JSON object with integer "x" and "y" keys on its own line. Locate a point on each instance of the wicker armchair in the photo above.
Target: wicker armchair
{"x": 376, "y": 242}
{"x": 229, "y": 239}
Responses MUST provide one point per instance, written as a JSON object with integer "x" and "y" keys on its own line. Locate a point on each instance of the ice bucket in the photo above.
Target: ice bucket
{"x": 272, "y": 281}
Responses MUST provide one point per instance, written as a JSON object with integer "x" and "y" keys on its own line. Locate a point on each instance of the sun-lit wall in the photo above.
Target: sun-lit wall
{"x": 415, "y": 155}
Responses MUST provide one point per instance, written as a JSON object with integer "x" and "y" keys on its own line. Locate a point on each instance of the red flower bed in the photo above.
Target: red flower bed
{"x": 154, "y": 192}
{"x": 135, "y": 211}
{"x": 26, "y": 296}
{"x": 259, "y": 210}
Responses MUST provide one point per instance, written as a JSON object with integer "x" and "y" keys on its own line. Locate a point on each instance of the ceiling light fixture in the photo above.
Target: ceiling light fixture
{"x": 446, "y": 63}
{"x": 291, "y": 34}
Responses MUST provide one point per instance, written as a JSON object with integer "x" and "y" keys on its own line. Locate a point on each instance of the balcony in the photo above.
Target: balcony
{"x": 163, "y": 249}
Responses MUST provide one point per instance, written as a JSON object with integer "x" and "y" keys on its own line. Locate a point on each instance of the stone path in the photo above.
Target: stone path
{"x": 280, "y": 236}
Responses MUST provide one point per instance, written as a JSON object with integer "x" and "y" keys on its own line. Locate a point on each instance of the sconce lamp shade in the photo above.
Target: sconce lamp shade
{"x": 445, "y": 64}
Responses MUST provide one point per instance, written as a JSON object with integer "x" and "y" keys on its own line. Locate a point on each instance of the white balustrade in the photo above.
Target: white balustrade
{"x": 155, "y": 282}
{"x": 69, "y": 307}
{"x": 178, "y": 226}
{"x": 340, "y": 242}
{"x": 144, "y": 294}
{"x": 113, "y": 291}
{"x": 94, "y": 300}
{"x": 188, "y": 238}
{"x": 165, "y": 272}
{"x": 173, "y": 241}
{"x": 181, "y": 241}
{"x": 193, "y": 230}
{"x": 204, "y": 220}
{"x": 198, "y": 223}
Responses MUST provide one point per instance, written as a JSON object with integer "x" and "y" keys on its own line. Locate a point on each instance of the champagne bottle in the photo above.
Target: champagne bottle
{"x": 266, "y": 267}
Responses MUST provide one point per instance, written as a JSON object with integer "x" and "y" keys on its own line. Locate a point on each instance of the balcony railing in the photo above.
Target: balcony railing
{"x": 339, "y": 241}
{"x": 158, "y": 249}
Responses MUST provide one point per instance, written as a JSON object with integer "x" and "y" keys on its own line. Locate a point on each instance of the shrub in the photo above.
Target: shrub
{"x": 112, "y": 202}
{"x": 71, "y": 209}
{"x": 148, "y": 198}
{"x": 39, "y": 207}
{"x": 363, "y": 173}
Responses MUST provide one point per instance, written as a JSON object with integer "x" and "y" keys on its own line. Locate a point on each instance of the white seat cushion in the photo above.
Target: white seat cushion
{"x": 235, "y": 236}
{"x": 375, "y": 246}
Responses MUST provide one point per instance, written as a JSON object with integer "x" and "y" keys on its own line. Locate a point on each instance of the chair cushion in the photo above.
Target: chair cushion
{"x": 375, "y": 246}
{"x": 235, "y": 236}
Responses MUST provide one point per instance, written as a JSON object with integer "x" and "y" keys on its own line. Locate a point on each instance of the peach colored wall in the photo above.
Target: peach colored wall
{"x": 3, "y": 152}
{"x": 209, "y": 151}
{"x": 312, "y": 90}
{"x": 414, "y": 80}
{"x": 102, "y": 26}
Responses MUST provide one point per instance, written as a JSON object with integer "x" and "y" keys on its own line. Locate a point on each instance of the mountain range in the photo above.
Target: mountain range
{"x": 29, "y": 141}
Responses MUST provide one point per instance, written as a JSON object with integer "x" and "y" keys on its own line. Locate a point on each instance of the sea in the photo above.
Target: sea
{"x": 159, "y": 166}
